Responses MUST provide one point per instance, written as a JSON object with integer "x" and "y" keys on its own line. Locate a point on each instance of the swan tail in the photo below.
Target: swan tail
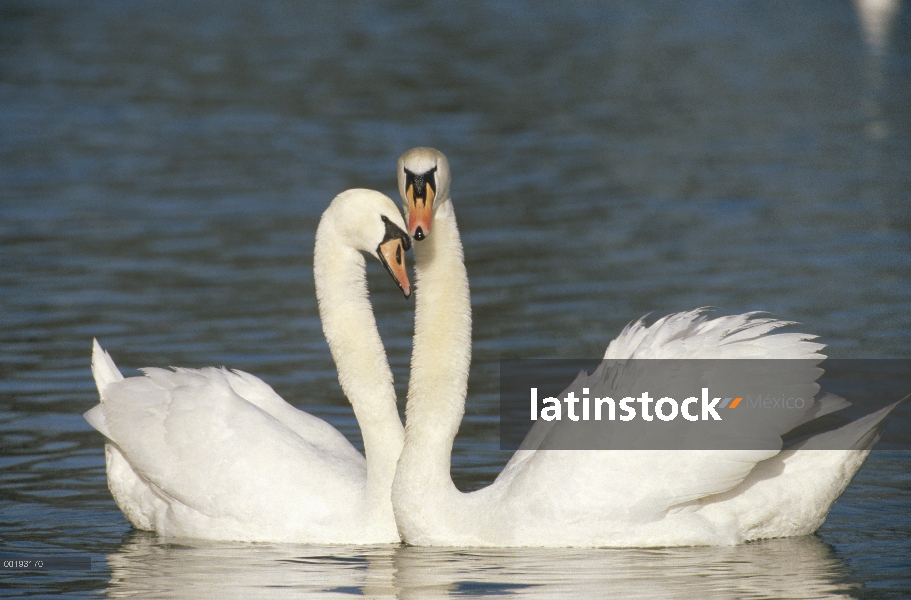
{"x": 792, "y": 493}
{"x": 105, "y": 373}
{"x": 103, "y": 369}
{"x": 861, "y": 434}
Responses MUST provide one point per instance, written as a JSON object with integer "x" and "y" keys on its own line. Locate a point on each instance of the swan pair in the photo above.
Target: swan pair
{"x": 215, "y": 454}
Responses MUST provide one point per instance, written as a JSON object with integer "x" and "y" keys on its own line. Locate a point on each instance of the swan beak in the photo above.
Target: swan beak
{"x": 420, "y": 209}
{"x": 392, "y": 255}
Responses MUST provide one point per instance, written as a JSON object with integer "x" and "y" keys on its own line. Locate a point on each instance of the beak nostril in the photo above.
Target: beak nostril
{"x": 419, "y": 234}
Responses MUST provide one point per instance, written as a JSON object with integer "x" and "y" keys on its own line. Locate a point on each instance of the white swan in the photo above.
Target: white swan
{"x": 592, "y": 498}
{"x": 213, "y": 454}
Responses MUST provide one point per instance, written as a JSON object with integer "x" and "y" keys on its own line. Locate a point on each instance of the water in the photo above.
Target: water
{"x": 163, "y": 167}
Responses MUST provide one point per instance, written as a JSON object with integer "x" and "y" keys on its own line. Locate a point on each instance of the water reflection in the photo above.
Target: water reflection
{"x": 876, "y": 17}
{"x": 877, "y": 20}
{"x": 149, "y": 567}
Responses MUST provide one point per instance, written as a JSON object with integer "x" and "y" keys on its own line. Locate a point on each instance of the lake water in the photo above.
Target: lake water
{"x": 163, "y": 166}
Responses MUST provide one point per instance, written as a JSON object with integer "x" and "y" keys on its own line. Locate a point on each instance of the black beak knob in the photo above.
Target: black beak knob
{"x": 419, "y": 234}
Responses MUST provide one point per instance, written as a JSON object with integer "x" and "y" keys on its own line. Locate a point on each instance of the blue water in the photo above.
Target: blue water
{"x": 163, "y": 166}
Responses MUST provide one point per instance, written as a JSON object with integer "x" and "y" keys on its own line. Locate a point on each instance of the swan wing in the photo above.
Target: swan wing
{"x": 311, "y": 428}
{"x": 692, "y": 335}
{"x": 201, "y": 445}
{"x": 644, "y": 484}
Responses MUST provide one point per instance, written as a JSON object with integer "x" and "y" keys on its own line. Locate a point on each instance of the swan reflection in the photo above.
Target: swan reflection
{"x": 876, "y": 20}
{"x": 148, "y": 566}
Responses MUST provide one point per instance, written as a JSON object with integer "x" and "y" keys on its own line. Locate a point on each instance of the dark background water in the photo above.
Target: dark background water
{"x": 163, "y": 166}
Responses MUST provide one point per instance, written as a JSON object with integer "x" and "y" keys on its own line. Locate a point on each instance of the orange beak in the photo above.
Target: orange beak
{"x": 392, "y": 255}
{"x": 420, "y": 210}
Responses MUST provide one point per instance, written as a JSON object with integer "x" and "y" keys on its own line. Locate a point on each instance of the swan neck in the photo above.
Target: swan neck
{"x": 441, "y": 354}
{"x": 363, "y": 371}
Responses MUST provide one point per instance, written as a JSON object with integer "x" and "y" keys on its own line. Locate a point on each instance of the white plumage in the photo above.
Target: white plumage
{"x": 215, "y": 454}
{"x": 604, "y": 498}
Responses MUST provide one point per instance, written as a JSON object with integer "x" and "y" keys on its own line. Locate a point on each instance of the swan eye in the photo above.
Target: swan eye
{"x": 393, "y": 231}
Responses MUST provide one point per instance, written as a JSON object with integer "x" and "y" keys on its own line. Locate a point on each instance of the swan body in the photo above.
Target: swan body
{"x": 596, "y": 498}
{"x": 209, "y": 453}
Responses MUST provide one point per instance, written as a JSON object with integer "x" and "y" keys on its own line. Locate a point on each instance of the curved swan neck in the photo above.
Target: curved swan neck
{"x": 442, "y": 352}
{"x": 349, "y": 325}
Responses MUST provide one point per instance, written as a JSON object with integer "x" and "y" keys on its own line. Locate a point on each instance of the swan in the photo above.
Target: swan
{"x": 593, "y": 498}
{"x": 215, "y": 454}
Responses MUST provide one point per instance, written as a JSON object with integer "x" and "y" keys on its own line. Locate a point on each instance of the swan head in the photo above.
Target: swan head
{"x": 423, "y": 175}
{"x": 370, "y": 222}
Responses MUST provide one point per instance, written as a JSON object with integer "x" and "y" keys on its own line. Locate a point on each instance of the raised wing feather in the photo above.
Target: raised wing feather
{"x": 643, "y": 485}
